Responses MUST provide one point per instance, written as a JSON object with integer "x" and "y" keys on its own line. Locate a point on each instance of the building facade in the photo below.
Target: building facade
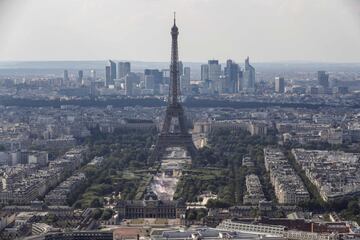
{"x": 248, "y": 79}
{"x": 231, "y": 72}
{"x": 279, "y": 85}
{"x": 150, "y": 207}
{"x": 323, "y": 79}
{"x": 185, "y": 81}
{"x": 124, "y": 68}
{"x": 112, "y": 71}
{"x": 214, "y": 75}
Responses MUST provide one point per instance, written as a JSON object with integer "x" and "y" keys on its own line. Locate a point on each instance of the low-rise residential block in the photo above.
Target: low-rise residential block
{"x": 334, "y": 173}
{"x": 289, "y": 188}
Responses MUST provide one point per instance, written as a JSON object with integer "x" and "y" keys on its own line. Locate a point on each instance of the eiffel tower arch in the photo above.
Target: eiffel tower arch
{"x": 167, "y": 137}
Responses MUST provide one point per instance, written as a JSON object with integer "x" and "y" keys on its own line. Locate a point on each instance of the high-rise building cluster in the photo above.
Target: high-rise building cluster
{"x": 212, "y": 78}
{"x": 120, "y": 80}
{"x": 111, "y": 73}
{"x": 78, "y": 83}
{"x": 232, "y": 79}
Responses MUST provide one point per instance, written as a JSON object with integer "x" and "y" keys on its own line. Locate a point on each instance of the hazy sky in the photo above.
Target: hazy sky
{"x": 265, "y": 30}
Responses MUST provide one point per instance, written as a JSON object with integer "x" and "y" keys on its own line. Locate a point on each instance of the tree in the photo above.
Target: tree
{"x": 95, "y": 203}
{"x": 51, "y": 218}
{"x": 212, "y": 203}
{"x": 107, "y": 214}
{"x": 89, "y": 171}
{"x": 97, "y": 213}
{"x": 201, "y": 213}
{"x": 191, "y": 214}
{"x": 353, "y": 207}
{"x": 77, "y": 205}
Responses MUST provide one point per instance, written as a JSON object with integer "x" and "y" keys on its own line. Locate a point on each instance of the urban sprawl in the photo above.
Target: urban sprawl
{"x": 273, "y": 153}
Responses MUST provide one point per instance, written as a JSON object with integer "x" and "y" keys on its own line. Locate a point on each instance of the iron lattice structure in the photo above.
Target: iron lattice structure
{"x": 174, "y": 110}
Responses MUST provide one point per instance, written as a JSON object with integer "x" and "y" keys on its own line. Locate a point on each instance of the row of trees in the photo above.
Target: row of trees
{"x": 123, "y": 149}
{"x": 196, "y": 181}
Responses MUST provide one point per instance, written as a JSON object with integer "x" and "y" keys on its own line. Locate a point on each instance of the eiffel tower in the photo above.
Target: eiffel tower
{"x": 168, "y": 137}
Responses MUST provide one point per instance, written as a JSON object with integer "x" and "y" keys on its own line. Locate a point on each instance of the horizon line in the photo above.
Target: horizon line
{"x": 195, "y": 61}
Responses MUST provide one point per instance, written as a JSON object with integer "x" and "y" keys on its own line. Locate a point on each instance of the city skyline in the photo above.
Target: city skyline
{"x": 116, "y": 149}
{"x": 271, "y": 31}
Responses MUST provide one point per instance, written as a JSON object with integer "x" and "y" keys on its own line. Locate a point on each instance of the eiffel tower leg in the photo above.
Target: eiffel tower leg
{"x": 167, "y": 123}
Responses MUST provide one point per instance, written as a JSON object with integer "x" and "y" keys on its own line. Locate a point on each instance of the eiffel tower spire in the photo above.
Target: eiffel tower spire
{"x": 174, "y": 90}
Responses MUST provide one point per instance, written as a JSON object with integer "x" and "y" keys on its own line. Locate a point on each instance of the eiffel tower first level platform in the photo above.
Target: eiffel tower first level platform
{"x": 168, "y": 138}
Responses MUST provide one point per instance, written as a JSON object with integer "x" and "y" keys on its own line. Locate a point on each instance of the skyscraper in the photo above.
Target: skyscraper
{"x": 240, "y": 83}
{"x": 93, "y": 75}
{"x": 231, "y": 72}
{"x": 323, "y": 79}
{"x": 112, "y": 71}
{"x": 124, "y": 68}
{"x": 166, "y": 76}
{"x": 214, "y": 74}
{"x": 130, "y": 81}
{"x": 80, "y": 76}
{"x": 107, "y": 76}
{"x": 181, "y": 68}
{"x": 128, "y": 86}
{"x": 204, "y": 72}
{"x": 222, "y": 85}
{"x": 185, "y": 81}
{"x": 279, "y": 85}
{"x": 149, "y": 82}
{"x": 92, "y": 83}
{"x": 153, "y": 79}
{"x": 248, "y": 77}
{"x": 66, "y": 76}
